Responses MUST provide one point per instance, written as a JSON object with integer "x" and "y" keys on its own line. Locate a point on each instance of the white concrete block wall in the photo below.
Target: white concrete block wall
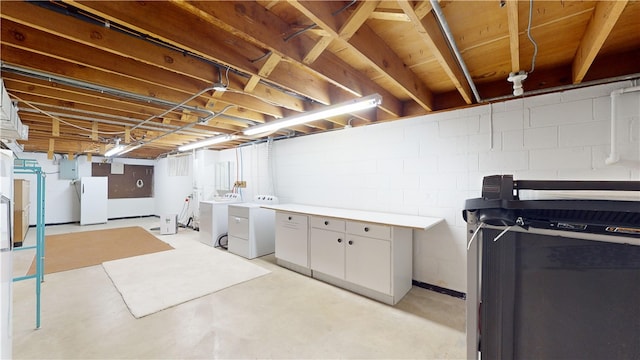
{"x": 429, "y": 165}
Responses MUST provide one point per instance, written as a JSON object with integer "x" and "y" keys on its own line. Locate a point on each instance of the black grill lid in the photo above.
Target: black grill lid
{"x": 500, "y": 205}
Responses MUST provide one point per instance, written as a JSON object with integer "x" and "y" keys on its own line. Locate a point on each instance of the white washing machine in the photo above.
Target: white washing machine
{"x": 214, "y": 218}
{"x": 252, "y": 228}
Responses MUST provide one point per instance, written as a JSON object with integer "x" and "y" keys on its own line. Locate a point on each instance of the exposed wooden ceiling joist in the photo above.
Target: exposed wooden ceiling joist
{"x": 126, "y": 67}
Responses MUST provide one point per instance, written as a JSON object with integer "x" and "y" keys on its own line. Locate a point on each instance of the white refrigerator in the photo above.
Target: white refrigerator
{"x": 93, "y": 200}
{"x": 6, "y": 245}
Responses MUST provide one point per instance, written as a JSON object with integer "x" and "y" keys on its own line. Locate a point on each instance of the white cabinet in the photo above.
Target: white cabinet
{"x": 368, "y": 263}
{"x": 359, "y": 256}
{"x": 292, "y": 241}
{"x": 327, "y": 252}
{"x": 369, "y": 253}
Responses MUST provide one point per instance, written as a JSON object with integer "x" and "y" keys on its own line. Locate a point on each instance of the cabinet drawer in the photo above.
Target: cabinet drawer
{"x": 369, "y": 230}
{"x": 239, "y": 210}
{"x": 238, "y": 226}
{"x": 326, "y": 223}
{"x": 291, "y": 221}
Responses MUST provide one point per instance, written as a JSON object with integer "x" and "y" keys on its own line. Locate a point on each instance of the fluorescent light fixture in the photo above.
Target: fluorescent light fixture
{"x": 327, "y": 112}
{"x": 114, "y": 150}
{"x": 207, "y": 142}
{"x": 131, "y": 148}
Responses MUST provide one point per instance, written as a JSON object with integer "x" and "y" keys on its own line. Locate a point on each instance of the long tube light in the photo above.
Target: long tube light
{"x": 207, "y": 142}
{"x": 117, "y": 148}
{"x": 327, "y": 112}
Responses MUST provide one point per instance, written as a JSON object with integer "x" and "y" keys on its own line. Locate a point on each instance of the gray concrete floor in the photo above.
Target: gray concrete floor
{"x": 282, "y": 315}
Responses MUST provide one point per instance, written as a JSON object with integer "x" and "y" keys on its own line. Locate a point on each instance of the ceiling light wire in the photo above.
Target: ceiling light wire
{"x": 176, "y": 107}
{"x": 344, "y": 8}
{"x": 299, "y": 32}
{"x": 263, "y": 56}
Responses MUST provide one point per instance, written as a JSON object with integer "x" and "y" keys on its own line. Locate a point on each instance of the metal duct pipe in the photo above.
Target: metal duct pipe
{"x": 445, "y": 28}
{"x": 614, "y": 157}
{"x": 194, "y": 132}
{"x": 98, "y": 88}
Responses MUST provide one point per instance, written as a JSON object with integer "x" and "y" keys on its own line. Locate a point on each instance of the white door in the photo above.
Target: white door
{"x": 93, "y": 200}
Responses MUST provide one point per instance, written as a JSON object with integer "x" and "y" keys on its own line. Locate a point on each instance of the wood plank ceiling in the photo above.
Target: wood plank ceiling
{"x": 85, "y": 73}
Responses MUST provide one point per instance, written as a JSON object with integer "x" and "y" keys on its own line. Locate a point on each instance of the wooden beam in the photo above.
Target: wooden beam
{"x": 430, "y": 32}
{"x": 55, "y": 131}
{"x": 514, "y": 35}
{"x": 137, "y": 50}
{"x": 269, "y": 65}
{"x": 249, "y": 21}
{"x": 126, "y": 69}
{"x": 52, "y": 143}
{"x": 422, "y": 8}
{"x": 94, "y": 131}
{"x": 605, "y": 16}
{"x": 389, "y": 15}
{"x": 209, "y": 44}
{"x": 357, "y": 19}
{"x": 370, "y": 48}
{"x": 252, "y": 83}
{"x": 317, "y": 50}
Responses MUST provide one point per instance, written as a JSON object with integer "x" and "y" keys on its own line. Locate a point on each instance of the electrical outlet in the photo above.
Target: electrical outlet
{"x": 240, "y": 184}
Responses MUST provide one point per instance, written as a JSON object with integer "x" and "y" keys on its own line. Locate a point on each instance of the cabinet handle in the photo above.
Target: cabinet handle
{"x": 339, "y": 240}
{"x": 350, "y": 242}
{"x": 290, "y": 217}
{"x": 326, "y": 222}
{"x": 366, "y": 229}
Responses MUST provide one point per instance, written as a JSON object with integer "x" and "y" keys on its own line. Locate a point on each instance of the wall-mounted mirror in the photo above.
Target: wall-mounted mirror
{"x": 223, "y": 171}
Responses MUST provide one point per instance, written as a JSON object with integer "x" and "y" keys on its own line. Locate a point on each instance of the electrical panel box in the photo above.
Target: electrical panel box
{"x": 117, "y": 168}
{"x": 68, "y": 169}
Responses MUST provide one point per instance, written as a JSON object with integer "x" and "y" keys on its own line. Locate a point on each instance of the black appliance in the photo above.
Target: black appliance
{"x": 556, "y": 275}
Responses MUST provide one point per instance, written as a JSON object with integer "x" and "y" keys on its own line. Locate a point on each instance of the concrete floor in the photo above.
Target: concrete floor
{"x": 282, "y": 315}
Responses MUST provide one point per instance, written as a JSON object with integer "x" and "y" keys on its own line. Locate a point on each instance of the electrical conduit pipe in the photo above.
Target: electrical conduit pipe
{"x": 614, "y": 157}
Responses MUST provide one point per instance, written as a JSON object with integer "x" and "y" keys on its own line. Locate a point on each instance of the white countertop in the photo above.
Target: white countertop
{"x": 410, "y": 221}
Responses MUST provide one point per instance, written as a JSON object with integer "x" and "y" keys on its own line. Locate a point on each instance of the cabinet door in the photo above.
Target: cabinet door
{"x": 368, "y": 263}
{"x": 291, "y": 238}
{"x": 327, "y": 252}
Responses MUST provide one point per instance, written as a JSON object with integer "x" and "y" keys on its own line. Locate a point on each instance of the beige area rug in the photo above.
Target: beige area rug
{"x": 154, "y": 282}
{"x": 88, "y": 248}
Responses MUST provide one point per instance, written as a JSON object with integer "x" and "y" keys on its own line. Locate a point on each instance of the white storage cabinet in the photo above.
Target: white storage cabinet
{"x": 371, "y": 259}
{"x": 292, "y": 241}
